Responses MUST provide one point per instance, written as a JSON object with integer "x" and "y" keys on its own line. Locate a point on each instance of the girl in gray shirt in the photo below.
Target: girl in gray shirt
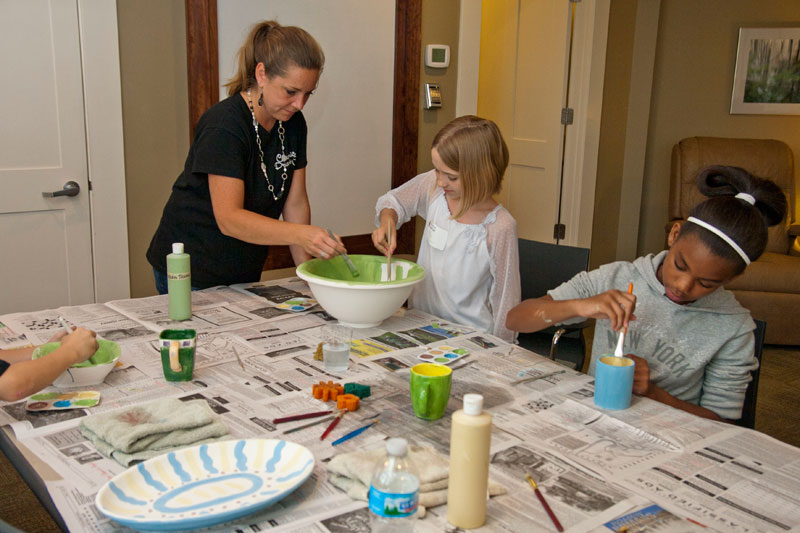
{"x": 691, "y": 340}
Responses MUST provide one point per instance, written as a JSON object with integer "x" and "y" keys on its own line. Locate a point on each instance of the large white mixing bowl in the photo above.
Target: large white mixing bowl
{"x": 364, "y": 301}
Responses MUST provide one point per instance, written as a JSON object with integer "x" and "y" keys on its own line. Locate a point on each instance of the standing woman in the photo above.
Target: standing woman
{"x": 246, "y": 168}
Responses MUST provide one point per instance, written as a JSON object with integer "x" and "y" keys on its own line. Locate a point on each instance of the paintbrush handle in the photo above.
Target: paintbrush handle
{"x": 534, "y": 378}
{"x": 304, "y": 426}
{"x": 64, "y": 325}
{"x": 549, "y": 511}
{"x": 330, "y": 428}
{"x": 354, "y": 433}
{"x": 301, "y": 417}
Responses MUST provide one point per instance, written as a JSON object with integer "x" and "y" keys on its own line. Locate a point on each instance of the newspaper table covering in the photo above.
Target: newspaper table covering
{"x": 600, "y": 470}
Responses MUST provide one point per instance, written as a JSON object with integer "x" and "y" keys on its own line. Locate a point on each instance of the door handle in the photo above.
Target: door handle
{"x": 71, "y": 188}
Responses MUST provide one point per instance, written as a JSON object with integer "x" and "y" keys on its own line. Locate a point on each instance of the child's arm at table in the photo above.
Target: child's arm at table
{"x": 539, "y": 313}
{"x": 642, "y": 386}
{"x": 27, "y": 376}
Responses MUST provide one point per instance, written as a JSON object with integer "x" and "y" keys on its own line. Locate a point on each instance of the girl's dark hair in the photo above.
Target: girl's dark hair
{"x": 744, "y": 223}
{"x": 278, "y": 47}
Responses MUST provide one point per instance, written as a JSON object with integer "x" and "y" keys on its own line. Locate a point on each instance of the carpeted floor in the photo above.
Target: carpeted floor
{"x": 19, "y": 506}
{"x": 777, "y": 415}
{"x": 777, "y": 412}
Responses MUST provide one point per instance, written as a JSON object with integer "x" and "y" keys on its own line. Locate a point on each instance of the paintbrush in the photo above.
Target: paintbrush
{"x": 389, "y": 249}
{"x": 304, "y": 426}
{"x": 621, "y": 340}
{"x": 333, "y": 424}
{"x": 350, "y": 265}
{"x": 292, "y": 418}
{"x": 534, "y": 378}
{"x": 539, "y": 495}
{"x": 64, "y": 325}
{"x": 354, "y": 433}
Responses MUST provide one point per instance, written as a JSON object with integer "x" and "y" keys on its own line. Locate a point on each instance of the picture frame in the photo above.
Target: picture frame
{"x": 767, "y": 76}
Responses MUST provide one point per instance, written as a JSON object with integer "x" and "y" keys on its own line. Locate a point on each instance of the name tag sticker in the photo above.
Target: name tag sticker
{"x": 438, "y": 236}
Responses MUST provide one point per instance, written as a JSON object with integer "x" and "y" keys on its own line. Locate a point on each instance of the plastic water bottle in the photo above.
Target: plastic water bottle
{"x": 394, "y": 492}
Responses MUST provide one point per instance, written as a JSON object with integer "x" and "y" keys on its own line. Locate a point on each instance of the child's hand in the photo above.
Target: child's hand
{"x": 381, "y": 239}
{"x": 641, "y": 375}
{"x": 615, "y": 305}
{"x": 82, "y": 342}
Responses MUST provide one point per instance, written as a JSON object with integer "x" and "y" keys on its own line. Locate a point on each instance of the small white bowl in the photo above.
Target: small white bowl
{"x": 82, "y": 376}
{"x": 364, "y": 301}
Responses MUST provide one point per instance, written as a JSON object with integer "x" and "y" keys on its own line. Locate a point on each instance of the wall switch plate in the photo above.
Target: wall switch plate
{"x": 433, "y": 96}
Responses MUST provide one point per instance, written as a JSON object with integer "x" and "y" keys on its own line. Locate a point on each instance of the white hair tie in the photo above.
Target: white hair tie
{"x": 719, "y": 233}
{"x": 749, "y": 198}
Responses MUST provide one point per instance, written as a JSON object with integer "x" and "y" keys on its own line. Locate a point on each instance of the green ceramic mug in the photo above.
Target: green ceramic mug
{"x": 177, "y": 353}
{"x": 430, "y": 390}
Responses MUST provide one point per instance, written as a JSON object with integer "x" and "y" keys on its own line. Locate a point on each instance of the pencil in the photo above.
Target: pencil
{"x": 544, "y": 503}
{"x": 304, "y": 426}
{"x": 239, "y": 359}
{"x": 354, "y": 433}
{"x": 333, "y": 425}
{"x": 301, "y": 417}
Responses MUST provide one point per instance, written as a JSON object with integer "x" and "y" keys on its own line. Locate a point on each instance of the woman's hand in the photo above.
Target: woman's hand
{"x": 82, "y": 342}
{"x": 641, "y": 375}
{"x": 316, "y": 242}
{"x": 615, "y": 305}
{"x": 386, "y": 233}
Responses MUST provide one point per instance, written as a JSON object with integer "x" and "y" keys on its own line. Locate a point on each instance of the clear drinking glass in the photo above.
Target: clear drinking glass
{"x": 336, "y": 347}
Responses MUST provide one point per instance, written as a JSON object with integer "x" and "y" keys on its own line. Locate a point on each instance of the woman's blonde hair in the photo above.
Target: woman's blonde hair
{"x": 278, "y": 47}
{"x": 473, "y": 147}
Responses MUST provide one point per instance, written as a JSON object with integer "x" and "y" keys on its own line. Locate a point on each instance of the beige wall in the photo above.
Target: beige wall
{"x": 611, "y": 156}
{"x": 155, "y": 114}
{"x": 694, "y": 67}
{"x": 440, "y": 25}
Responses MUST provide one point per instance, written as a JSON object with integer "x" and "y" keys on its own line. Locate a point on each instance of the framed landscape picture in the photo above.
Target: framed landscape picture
{"x": 767, "y": 77}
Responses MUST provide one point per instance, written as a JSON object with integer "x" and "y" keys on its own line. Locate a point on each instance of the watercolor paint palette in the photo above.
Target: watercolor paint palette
{"x": 57, "y": 401}
{"x": 443, "y": 355}
{"x": 297, "y": 304}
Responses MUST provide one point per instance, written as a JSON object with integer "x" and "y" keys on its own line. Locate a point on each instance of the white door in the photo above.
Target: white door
{"x": 46, "y": 258}
{"x": 524, "y": 74}
{"x": 522, "y": 80}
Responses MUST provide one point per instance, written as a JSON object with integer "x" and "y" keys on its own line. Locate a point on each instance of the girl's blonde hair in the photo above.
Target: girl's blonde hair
{"x": 473, "y": 147}
{"x": 278, "y": 47}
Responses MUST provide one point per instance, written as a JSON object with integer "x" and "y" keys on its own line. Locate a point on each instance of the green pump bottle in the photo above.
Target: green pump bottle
{"x": 179, "y": 283}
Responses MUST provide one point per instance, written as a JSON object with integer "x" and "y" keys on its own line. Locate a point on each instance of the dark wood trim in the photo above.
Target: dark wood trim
{"x": 202, "y": 58}
{"x": 203, "y": 68}
{"x": 405, "y": 127}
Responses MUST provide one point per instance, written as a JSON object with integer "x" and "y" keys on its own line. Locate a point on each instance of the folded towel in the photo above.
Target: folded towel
{"x": 140, "y": 432}
{"x": 352, "y": 472}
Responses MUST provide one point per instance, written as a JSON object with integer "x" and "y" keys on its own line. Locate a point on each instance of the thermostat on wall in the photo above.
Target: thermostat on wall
{"x": 437, "y": 55}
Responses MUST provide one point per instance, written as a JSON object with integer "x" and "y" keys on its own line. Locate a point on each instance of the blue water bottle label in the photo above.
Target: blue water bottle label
{"x": 392, "y": 504}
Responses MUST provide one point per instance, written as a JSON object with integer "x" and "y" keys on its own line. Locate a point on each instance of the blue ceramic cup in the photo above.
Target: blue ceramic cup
{"x": 613, "y": 382}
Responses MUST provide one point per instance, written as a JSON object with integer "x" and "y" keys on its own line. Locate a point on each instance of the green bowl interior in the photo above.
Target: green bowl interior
{"x": 368, "y": 266}
{"x": 107, "y": 352}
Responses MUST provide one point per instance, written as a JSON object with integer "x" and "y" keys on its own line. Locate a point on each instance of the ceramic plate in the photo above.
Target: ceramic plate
{"x": 205, "y": 485}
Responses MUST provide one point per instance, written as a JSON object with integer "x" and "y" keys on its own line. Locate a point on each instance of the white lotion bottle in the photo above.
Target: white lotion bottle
{"x": 470, "y": 438}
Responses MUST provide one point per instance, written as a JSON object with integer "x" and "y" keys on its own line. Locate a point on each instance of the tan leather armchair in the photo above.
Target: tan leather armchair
{"x": 770, "y": 286}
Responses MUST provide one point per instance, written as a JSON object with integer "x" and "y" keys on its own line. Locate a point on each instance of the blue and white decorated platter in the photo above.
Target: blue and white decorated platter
{"x": 205, "y": 485}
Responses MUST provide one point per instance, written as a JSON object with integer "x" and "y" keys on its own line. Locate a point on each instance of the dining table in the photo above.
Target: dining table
{"x": 649, "y": 467}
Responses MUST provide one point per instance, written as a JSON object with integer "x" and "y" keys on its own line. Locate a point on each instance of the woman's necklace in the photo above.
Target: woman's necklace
{"x": 281, "y": 162}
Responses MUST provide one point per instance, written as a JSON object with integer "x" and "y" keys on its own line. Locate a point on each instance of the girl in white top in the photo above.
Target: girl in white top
{"x": 469, "y": 246}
